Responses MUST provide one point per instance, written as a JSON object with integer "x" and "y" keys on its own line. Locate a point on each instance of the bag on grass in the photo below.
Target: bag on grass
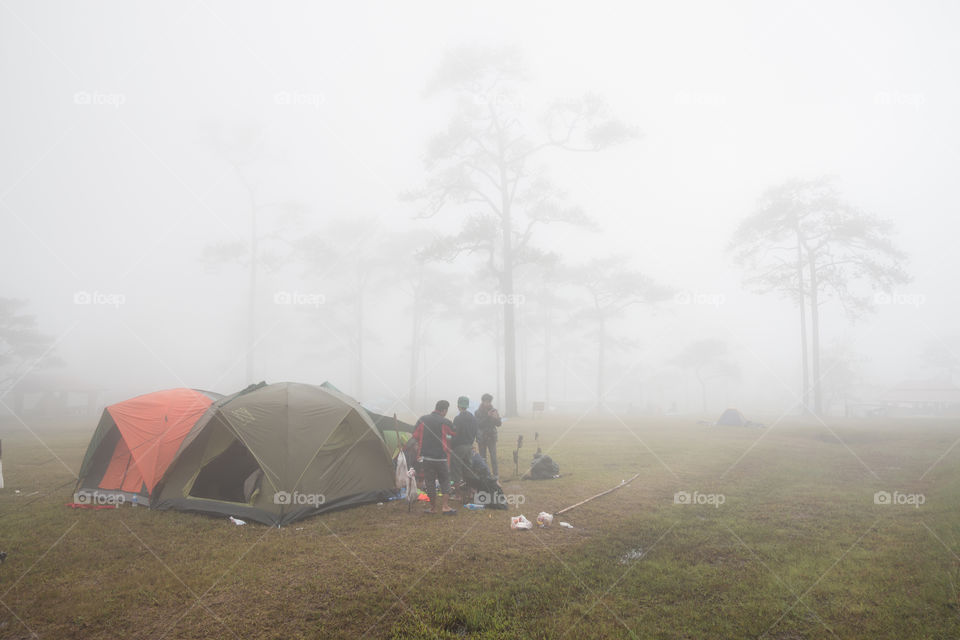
{"x": 543, "y": 468}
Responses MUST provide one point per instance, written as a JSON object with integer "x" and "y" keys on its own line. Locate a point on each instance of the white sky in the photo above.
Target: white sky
{"x": 731, "y": 99}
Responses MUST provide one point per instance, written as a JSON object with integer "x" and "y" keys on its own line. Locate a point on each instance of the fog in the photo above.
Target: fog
{"x": 138, "y": 141}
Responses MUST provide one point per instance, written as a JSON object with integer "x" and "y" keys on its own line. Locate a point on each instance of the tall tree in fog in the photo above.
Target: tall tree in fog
{"x": 548, "y": 305}
{"x": 348, "y": 263}
{"x": 551, "y": 308}
{"x": 240, "y": 148}
{"x": 612, "y": 287}
{"x": 485, "y": 164}
{"x": 22, "y": 346}
{"x": 804, "y": 241}
{"x": 432, "y": 293}
{"x": 708, "y": 359}
{"x": 941, "y": 357}
{"x": 480, "y": 310}
{"x": 841, "y": 376}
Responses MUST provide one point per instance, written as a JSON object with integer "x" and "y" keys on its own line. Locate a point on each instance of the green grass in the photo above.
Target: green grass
{"x": 797, "y": 550}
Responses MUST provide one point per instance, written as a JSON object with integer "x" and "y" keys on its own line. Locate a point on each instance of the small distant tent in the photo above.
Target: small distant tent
{"x": 732, "y": 418}
{"x": 137, "y": 439}
{"x": 278, "y": 453}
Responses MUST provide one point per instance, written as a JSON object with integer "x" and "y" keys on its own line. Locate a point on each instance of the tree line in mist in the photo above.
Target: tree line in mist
{"x": 486, "y": 176}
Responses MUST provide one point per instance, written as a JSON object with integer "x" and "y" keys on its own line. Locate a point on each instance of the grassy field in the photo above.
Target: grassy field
{"x": 797, "y": 549}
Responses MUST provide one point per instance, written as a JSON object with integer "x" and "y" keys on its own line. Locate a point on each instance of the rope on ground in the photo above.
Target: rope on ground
{"x": 602, "y": 493}
{"x": 22, "y": 505}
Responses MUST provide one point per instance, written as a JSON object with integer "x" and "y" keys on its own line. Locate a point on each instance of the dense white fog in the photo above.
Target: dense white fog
{"x": 139, "y": 140}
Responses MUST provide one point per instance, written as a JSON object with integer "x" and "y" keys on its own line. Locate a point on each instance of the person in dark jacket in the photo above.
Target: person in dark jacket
{"x": 488, "y": 419}
{"x": 465, "y": 433}
{"x": 433, "y": 452}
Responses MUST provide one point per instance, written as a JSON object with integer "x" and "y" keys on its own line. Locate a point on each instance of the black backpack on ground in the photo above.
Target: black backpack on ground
{"x": 543, "y": 468}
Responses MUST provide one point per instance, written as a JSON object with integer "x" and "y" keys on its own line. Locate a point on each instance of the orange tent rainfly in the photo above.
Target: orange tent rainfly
{"x": 137, "y": 439}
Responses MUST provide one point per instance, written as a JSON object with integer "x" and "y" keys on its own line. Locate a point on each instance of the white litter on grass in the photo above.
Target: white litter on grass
{"x": 237, "y": 521}
{"x": 566, "y": 525}
{"x": 633, "y": 554}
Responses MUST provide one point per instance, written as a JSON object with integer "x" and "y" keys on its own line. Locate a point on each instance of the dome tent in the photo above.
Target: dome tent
{"x": 136, "y": 440}
{"x": 733, "y": 418}
{"x": 276, "y": 454}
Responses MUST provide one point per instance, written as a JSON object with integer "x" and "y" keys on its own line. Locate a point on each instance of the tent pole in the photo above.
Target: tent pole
{"x": 602, "y": 493}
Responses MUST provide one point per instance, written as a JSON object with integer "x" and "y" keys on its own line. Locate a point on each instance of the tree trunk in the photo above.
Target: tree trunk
{"x": 414, "y": 355}
{"x": 509, "y": 322}
{"x": 252, "y": 303}
{"x": 546, "y": 363}
{"x": 804, "y": 365}
{"x": 509, "y": 362}
{"x": 815, "y": 334}
{"x": 703, "y": 391}
{"x": 804, "y": 360}
{"x": 563, "y": 380}
{"x": 358, "y": 392}
{"x": 509, "y": 331}
{"x": 426, "y": 376}
{"x": 601, "y": 359}
{"x": 524, "y": 356}
{"x": 498, "y": 351}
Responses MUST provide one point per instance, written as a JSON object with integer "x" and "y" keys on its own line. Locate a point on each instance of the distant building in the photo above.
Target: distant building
{"x": 922, "y": 397}
{"x": 52, "y": 395}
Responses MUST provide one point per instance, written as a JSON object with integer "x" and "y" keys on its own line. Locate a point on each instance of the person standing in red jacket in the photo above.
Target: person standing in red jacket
{"x": 433, "y": 453}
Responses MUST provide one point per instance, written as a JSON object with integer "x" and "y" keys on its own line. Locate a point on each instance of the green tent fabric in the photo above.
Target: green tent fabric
{"x": 388, "y": 423}
{"x": 383, "y": 423}
{"x": 395, "y": 440}
{"x": 278, "y": 453}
